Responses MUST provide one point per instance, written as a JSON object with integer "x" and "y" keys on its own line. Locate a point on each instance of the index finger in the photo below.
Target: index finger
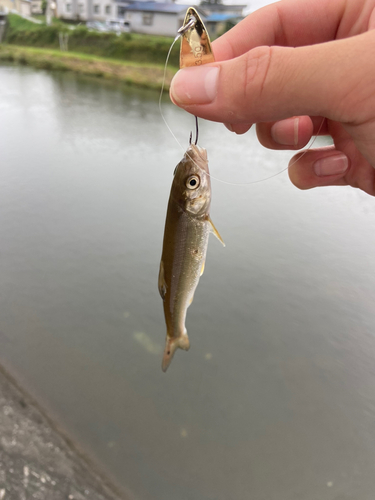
{"x": 289, "y": 23}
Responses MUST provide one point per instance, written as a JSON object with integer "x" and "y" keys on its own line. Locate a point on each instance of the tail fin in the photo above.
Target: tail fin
{"x": 171, "y": 344}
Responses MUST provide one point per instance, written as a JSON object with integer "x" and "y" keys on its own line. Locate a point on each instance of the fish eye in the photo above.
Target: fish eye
{"x": 192, "y": 182}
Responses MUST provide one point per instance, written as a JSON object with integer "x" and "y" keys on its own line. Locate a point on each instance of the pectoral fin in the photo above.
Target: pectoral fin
{"x": 215, "y": 231}
{"x": 202, "y": 268}
{"x": 161, "y": 281}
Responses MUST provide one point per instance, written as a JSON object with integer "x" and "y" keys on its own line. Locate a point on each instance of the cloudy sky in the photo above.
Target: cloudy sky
{"x": 253, "y": 4}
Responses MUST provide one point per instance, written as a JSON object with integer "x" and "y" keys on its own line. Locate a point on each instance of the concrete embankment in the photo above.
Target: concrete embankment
{"x": 141, "y": 75}
{"x": 35, "y": 460}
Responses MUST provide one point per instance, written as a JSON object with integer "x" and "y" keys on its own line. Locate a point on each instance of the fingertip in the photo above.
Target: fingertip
{"x": 321, "y": 167}
{"x": 238, "y": 128}
{"x": 331, "y": 165}
{"x": 295, "y": 132}
{"x": 285, "y": 132}
{"x": 194, "y": 85}
{"x": 291, "y": 133}
{"x": 173, "y": 86}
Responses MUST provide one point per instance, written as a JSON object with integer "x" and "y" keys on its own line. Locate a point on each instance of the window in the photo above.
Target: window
{"x": 97, "y": 9}
{"x": 121, "y": 11}
{"x": 81, "y": 8}
{"x": 68, "y": 7}
{"x": 107, "y": 9}
{"x": 148, "y": 19}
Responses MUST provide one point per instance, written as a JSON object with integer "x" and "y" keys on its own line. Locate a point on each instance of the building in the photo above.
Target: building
{"x": 22, "y": 7}
{"x": 219, "y": 23}
{"x": 148, "y": 17}
{"x": 37, "y": 6}
{"x": 86, "y": 10}
{"x": 155, "y": 18}
{"x": 235, "y": 10}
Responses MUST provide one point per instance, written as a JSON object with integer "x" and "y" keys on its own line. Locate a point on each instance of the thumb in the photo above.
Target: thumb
{"x": 333, "y": 79}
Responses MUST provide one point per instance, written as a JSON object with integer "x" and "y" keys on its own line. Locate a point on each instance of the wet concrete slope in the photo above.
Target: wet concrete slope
{"x": 36, "y": 462}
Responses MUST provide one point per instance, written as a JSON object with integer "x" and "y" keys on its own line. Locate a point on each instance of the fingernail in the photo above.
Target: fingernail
{"x": 285, "y": 132}
{"x": 229, "y": 126}
{"x": 331, "y": 165}
{"x": 194, "y": 85}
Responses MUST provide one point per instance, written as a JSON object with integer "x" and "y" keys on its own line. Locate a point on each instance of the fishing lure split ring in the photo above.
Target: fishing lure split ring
{"x": 190, "y": 24}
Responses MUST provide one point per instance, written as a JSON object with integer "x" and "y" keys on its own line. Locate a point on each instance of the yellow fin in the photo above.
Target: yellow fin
{"x": 215, "y": 231}
{"x": 202, "y": 269}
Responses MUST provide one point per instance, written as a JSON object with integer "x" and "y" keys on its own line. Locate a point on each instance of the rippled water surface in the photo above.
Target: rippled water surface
{"x": 276, "y": 398}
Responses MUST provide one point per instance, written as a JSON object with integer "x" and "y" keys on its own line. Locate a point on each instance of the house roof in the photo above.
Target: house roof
{"x": 217, "y": 18}
{"x": 222, "y": 7}
{"x": 168, "y": 8}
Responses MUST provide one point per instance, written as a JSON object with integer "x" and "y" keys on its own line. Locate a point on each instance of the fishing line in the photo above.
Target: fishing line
{"x": 162, "y": 90}
{"x": 179, "y": 34}
{"x": 278, "y": 173}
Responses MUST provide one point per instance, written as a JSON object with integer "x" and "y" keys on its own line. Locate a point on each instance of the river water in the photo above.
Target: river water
{"x": 276, "y": 398}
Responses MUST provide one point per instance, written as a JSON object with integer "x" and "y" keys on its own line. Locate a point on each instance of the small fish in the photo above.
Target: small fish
{"x": 187, "y": 228}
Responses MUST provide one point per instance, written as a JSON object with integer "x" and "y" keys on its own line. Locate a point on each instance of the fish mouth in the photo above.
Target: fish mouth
{"x": 197, "y": 153}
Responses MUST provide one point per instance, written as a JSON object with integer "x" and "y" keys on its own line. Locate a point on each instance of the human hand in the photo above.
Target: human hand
{"x": 296, "y": 68}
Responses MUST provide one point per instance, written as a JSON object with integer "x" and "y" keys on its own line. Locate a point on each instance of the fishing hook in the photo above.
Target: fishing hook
{"x": 196, "y": 129}
{"x": 196, "y": 132}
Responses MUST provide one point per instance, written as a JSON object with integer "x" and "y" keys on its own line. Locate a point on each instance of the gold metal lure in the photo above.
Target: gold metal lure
{"x": 195, "y": 42}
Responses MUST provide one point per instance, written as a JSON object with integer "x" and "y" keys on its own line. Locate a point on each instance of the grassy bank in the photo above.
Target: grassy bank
{"x": 126, "y": 47}
{"x": 142, "y": 75}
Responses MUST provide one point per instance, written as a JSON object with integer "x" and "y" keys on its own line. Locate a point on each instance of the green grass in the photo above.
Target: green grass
{"x": 146, "y": 75}
{"x": 131, "y": 58}
{"x": 84, "y": 57}
{"x": 127, "y": 46}
{"x": 16, "y": 22}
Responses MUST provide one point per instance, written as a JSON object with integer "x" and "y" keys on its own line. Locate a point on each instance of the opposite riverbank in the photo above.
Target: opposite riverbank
{"x": 128, "y": 58}
{"x": 143, "y": 75}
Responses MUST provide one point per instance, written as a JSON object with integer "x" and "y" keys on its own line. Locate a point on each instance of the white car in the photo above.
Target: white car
{"x": 97, "y": 26}
{"x": 118, "y": 26}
